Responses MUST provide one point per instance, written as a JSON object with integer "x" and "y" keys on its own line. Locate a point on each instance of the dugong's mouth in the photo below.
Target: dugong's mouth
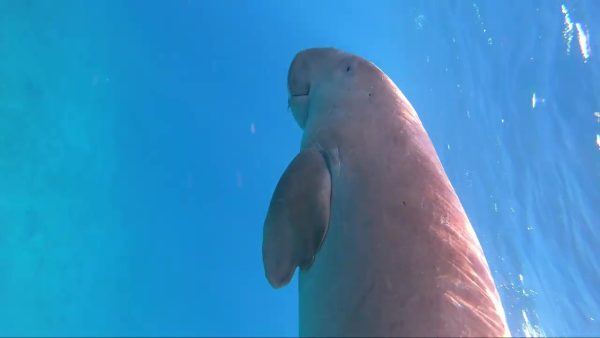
{"x": 299, "y": 83}
{"x": 294, "y": 100}
{"x": 301, "y": 95}
{"x": 302, "y": 91}
{"x": 298, "y": 97}
{"x": 298, "y": 103}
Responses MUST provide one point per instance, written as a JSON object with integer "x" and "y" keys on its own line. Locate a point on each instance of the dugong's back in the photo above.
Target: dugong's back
{"x": 384, "y": 244}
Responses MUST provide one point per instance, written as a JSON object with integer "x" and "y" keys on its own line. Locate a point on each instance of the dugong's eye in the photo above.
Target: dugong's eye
{"x": 346, "y": 66}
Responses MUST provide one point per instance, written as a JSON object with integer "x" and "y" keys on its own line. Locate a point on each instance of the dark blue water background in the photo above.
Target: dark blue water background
{"x": 140, "y": 142}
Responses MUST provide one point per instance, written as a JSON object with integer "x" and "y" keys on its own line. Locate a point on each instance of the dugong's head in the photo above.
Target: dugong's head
{"x": 322, "y": 78}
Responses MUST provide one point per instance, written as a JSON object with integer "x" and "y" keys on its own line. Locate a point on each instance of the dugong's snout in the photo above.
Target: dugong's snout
{"x": 299, "y": 75}
{"x": 305, "y": 66}
{"x": 299, "y": 87}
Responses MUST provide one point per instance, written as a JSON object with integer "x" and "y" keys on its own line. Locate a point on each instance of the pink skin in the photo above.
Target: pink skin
{"x": 399, "y": 256}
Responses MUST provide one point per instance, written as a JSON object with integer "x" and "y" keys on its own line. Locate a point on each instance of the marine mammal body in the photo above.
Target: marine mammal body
{"x": 367, "y": 212}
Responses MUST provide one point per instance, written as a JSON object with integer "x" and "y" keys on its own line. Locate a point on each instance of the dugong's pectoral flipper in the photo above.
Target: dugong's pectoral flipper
{"x": 298, "y": 217}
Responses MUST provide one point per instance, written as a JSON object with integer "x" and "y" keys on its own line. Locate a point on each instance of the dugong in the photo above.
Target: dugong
{"x": 368, "y": 214}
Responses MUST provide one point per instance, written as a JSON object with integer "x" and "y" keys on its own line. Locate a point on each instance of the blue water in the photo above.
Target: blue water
{"x": 140, "y": 142}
